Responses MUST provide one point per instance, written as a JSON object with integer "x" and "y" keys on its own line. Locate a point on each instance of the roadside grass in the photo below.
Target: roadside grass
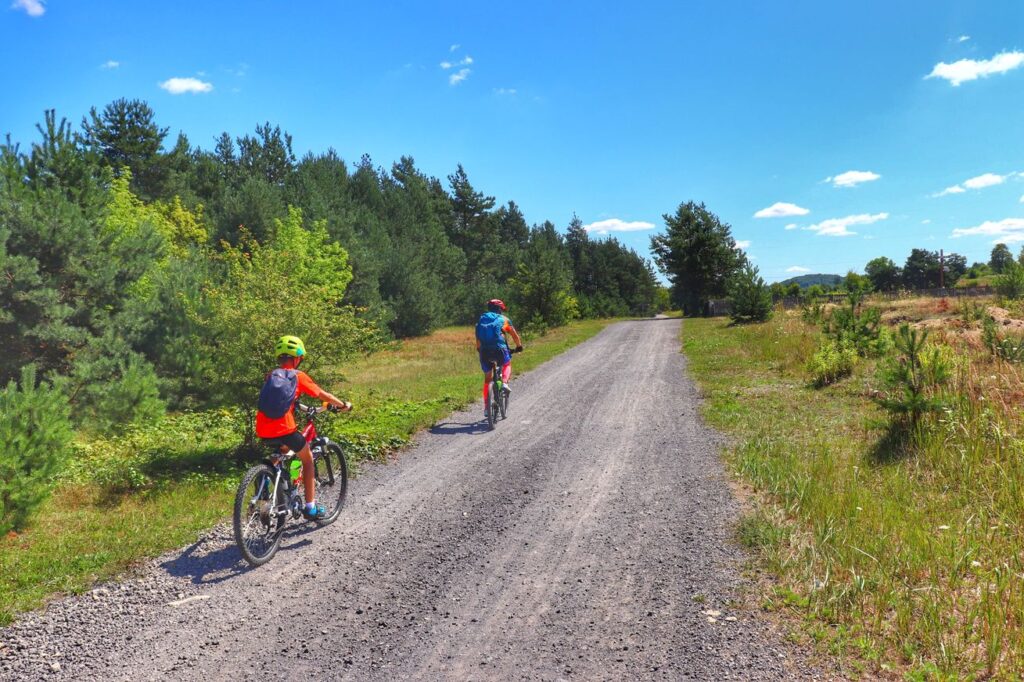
{"x": 905, "y": 564}
{"x": 154, "y": 488}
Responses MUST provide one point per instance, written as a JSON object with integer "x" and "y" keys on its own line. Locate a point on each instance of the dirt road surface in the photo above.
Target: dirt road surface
{"x": 588, "y": 537}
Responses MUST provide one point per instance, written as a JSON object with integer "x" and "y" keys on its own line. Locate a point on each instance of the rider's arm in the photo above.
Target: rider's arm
{"x": 327, "y": 397}
{"x": 515, "y": 336}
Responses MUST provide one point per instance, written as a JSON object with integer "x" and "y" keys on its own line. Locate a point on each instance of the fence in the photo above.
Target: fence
{"x": 718, "y": 307}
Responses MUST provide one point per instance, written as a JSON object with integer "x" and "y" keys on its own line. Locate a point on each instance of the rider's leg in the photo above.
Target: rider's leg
{"x": 506, "y": 371}
{"x": 487, "y": 384}
{"x": 308, "y": 474}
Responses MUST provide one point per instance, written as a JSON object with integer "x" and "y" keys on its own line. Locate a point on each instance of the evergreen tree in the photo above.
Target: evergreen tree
{"x": 125, "y": 135}
{"x": 698, "y": 255}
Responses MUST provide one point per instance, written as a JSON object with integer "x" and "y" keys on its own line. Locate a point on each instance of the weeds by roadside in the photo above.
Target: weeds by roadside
{"x": 906, "y": 560}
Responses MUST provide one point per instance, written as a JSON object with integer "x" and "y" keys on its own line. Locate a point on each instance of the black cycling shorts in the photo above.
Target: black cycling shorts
{"x": 295, "y": 441}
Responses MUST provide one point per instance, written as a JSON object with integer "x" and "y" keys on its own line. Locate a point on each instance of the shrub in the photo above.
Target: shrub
{"x": 1008, "y": 348}
{"x": 36, "y": 434}
{"x": 913, "y": 378}
{"x": 831, "y": 362}
{"x": 1010, "y": 284}
{"x": 855, "y": 325}
{"x": 750, "y": 297}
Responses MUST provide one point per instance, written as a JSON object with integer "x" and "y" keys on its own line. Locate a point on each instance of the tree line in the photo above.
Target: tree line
{"x": 136, "y": 274}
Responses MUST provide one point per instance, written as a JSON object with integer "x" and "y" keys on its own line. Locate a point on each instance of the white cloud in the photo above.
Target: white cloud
{"x": 1007, "y": 230}
{"x": 617, "y": 225}
{"x": 505, "y": 91}
{"x": 985, "y": 180}
{"x": 971, "y": 69}
{"x": 926, "y": 221}
{"x": 838, "y": 227}
{"x": 454, "y": 47}
{"x": 180, "y": 86}
{"x": 781, "y": 209}
{"x": 955, "y": 189}
{"x": 852, "y": 178}
{"x": 963, "y": 39}
{"x": 743, "y": 244}
{"x": 110, "y": 64}
{"x": 978, "y": 182}
{"x": 1022, "y": 199}
{"x": 457, "y": 78}
{"x": 33, "y": 8}
{"x": 446, "y": 65}
{"x": 791, "y": 226}
{"x": 797, "y": 268}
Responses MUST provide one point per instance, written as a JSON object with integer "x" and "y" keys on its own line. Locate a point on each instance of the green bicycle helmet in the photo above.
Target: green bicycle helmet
{"x": 289, "y": 345}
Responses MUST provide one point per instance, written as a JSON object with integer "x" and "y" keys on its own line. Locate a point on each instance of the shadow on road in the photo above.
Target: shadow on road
{"x": 452, "y": 428}
{"x": 213, "y": 560}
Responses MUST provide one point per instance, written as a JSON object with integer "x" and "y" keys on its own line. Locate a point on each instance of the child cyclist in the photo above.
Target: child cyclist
{"x": 492, "y": 345}
{"x": 275, "y": 420}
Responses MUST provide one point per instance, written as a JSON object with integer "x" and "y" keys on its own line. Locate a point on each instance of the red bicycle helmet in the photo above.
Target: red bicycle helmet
{"x": 496, "y": 303}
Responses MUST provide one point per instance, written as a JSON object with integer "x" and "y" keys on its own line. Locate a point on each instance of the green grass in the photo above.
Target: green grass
{"x": 154, "y": 488}
{"x": 898, "y": 562}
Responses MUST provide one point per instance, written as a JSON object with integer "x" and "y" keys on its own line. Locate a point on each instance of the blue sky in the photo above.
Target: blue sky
{"x": 617, "y": 112}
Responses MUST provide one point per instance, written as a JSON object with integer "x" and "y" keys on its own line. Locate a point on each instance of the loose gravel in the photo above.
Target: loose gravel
{"x": 587, "y": 537}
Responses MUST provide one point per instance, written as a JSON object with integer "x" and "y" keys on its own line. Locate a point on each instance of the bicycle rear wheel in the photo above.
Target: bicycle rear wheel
{"x": 492, "y": 405}
{"x": 331, "y": 482}
{"x": 258, "y": 528}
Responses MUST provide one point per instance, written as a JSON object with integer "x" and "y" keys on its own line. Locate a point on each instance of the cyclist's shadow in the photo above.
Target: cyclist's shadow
{"x": 454, "y": 428}
{"x": 205, "y": 566}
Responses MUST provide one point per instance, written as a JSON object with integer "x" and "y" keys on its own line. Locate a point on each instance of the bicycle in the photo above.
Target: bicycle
{"x": 497, "y": 396}
{"x": 272, "y": 492}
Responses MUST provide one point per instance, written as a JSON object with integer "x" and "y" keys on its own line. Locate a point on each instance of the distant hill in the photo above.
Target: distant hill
{"x": 810, "y": 280}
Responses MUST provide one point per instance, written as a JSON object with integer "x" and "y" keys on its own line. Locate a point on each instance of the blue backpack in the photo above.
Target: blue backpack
{"x": 488, "y": 330}
{"x": 278, "y": 393}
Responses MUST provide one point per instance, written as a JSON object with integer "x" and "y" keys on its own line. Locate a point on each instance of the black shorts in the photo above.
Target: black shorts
{"x": 295, "y": 441}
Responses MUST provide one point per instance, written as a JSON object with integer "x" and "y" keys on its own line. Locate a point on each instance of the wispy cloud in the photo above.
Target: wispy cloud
{"x": 797, "y": 268}
{"x": 454, "y": 47}
{"x": 33, "y": 8}
{"x": 617, "y": 225}
{"x": 465, "y": 61}
{"x": 852, "y": 178}
{"x": 791, "y": 226}
{"x": 743, "y": 244}
{"x": 457, "y": 78}
{"x": 181, "y": 86}
{"x": 1008, "y": 230}
{"x": 505, "y": 91}
{"x": 839, "y": 227}
{"x": 781, "y": 209}
{"x": 963, "y": 39}
{"x": 978, "y": 182}
{"x": 966, "y": 70}
{"x": 110, "y": 64}
{"x": 926, "y": 221}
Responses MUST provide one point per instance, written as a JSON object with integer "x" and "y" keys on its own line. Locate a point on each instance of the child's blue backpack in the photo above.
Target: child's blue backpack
{"x": 278, "y": 393}
{"x": 488, "y": 330}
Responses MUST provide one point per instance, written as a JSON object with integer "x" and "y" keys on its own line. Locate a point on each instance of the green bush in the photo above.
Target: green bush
{"x": 36, "y": 433}
{"x": 831, "y": 362}
{"x": 750, "y": 297}
{"x": 853, "y": 324}
{"x": 1010, "y": 284}
{"x": 914, "y": 377}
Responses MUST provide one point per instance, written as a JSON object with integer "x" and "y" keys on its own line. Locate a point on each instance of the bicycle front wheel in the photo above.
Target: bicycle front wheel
{"x": 331, "y": 482}
{"x": 258, "y": 526}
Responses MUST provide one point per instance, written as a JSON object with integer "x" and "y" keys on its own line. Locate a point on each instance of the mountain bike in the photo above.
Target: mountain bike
{"x": 271, "y": 493}
{"x": 497, "y": 396}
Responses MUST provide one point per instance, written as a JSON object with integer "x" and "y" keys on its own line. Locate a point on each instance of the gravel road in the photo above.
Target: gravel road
{"x": 587, "y": 537}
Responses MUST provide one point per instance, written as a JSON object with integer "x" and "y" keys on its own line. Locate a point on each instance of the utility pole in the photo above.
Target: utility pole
{"x": 942, "y": 270}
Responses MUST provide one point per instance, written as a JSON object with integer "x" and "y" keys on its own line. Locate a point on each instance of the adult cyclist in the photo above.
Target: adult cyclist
{"x": 275, "y": 420}
{"x": 492, "y": 345}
